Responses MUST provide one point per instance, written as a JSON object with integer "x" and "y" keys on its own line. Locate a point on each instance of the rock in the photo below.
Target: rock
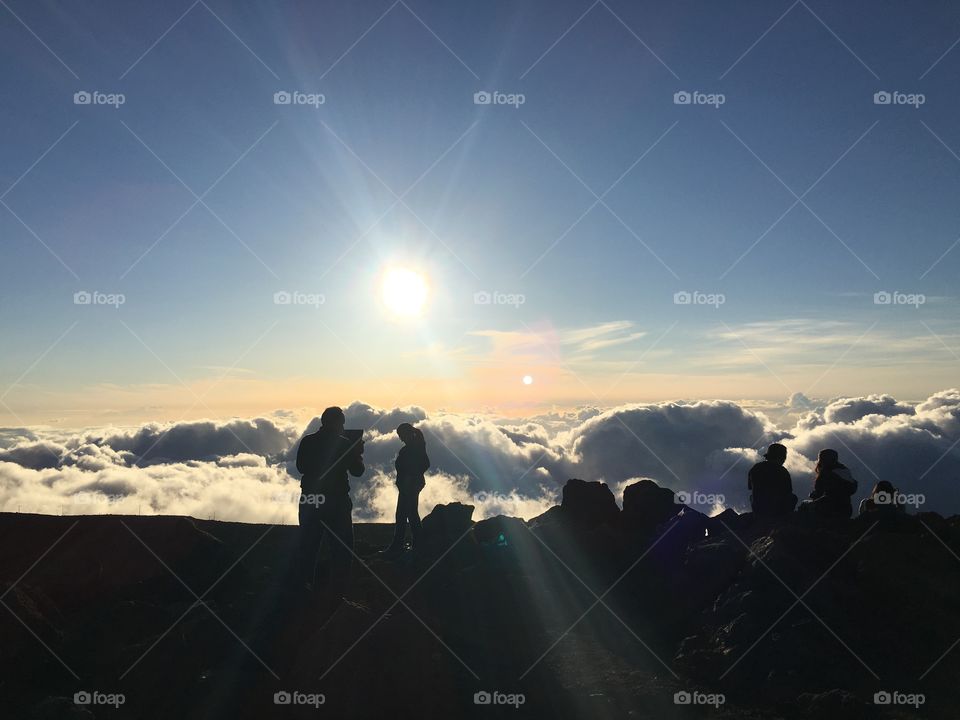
{"x": 728, "y": 520}
{"x": 646, "y": 504}
{"x": 832, "y": 704}
{"x": 586, "y": 505}
{"x": 552, "y": 516}
{"x": 500, "y": 530}
{"x": 446, "y": 523}
{"x": 60, "y": 708}
{"x": 713, "y": 564}
{"x": 679, "y": 531}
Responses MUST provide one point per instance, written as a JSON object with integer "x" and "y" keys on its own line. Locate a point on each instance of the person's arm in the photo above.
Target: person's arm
{"x": 356, "y": 466}
{"x": 355, "y": 460}
{"x": 302, "y": 456}
{"x": 426, "y": 462}
{"x": 750, "y": 479}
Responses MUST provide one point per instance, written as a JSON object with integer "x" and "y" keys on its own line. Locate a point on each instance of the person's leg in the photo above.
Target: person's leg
{"x": 340, "y": 524}
{"x": 311, "y": 534}
{"x": 400, "y": 529}
{"x": 413, "y": 514}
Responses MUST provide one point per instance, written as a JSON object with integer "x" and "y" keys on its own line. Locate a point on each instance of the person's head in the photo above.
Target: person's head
{"x": 776, "y": 453}
{"x": 826, "y": 460}
{"x": 885, "y": 492}
{"x": 332, "y": 419}
{"x": 408, "y": 434}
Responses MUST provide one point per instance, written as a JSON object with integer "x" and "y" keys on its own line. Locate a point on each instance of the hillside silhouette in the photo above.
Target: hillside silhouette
{"x": 588, "y": 610}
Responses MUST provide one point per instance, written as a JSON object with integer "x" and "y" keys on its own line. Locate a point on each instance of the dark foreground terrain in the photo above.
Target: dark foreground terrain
{"x": 587, "y": 611}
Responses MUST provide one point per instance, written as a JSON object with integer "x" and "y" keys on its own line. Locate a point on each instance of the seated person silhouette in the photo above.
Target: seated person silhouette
{"x": 884, "y": 502}
{"x": 832, "y": 487}
{"x": 411, "y": 463}
{"x": 770, "y": 484}
{"x": 324, "y": 458}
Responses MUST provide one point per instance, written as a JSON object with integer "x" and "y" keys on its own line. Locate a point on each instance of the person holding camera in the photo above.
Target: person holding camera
{"x": 324, "y": 459}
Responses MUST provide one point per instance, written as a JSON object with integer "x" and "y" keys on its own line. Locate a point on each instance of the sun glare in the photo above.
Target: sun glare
{"x": 404, "y": 291}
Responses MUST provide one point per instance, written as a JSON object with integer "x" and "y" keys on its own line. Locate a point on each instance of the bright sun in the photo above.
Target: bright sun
{"x": 404, "y": 291}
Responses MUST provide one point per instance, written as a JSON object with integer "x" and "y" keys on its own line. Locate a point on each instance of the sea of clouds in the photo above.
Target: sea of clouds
{"x": 242, "y": 469}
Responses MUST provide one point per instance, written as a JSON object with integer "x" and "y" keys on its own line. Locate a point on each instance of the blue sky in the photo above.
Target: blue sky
{"x": 491, "y": 198}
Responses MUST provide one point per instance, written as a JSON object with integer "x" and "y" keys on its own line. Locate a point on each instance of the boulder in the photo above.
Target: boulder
{"x": 833, "y": 703}
{"x": 586, "y": 505}
{"x": 681, "y": 529}
{"x": 728, "y": 521}
{"x": 446, "y": 523}
{"x": 500, "y": 530}
{"x": 646, "y": 503}
{"x": 553, "y": 516}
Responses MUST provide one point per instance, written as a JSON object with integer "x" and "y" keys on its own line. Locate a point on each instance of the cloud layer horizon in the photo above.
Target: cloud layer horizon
{"x": 242, "y": 470}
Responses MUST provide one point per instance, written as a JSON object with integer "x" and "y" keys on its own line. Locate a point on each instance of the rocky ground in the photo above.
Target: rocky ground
{"x": 587, "y": 611}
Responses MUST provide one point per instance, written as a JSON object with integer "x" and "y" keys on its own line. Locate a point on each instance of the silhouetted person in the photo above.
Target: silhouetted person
{"x": 832, "y": 487}
{"x": 770, "y": 484}
{"x": 411, "y": 463}
{"x": 884, "y": 501}
{"x": 324, "y": 458}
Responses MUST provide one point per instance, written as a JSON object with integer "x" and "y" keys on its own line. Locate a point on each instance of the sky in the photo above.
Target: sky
{"x": 785, "y": 231}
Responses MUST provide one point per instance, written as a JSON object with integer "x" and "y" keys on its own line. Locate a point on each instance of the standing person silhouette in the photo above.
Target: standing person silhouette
{"x": 324, "y": 458}
{"x": 411, "y": 463}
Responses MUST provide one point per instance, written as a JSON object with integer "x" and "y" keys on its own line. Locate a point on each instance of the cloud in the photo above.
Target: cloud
{"x": 847, "y": 410}
{"x": 574, "y": 341}
{"x": 675, "y": 443}
{"x": 376, "y": 498}
{"x": 361, "y": 415}
{"x": 799, "y": 401}
{"x": 240, "y": 469}
{"x": 916, "y": 449}
{"x": 200, "y": 440}
{"x": 242, "y": 460}
{"x": 37, "y": 455}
